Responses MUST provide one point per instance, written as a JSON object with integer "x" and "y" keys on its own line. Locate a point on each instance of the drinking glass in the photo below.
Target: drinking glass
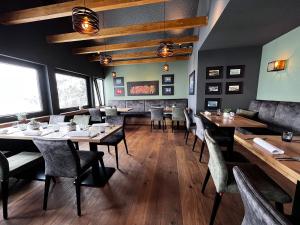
{"x": 287, "y": 136}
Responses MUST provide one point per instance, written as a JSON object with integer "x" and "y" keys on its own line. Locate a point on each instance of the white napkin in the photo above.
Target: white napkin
{"x": 32, "y": 132}
{"x": 267, "y": 146}
{"x": 3, "y": 131}
{"x": 100, "y": 125}
{"x": 82, "y": 133}
{"x": 207, "y": 113}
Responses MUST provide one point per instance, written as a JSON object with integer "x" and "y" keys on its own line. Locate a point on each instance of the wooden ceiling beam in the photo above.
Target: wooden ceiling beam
{"x": 131, "y": 30}
{"x": 150, "y": 60}
{"x": 59, "y": 10}
{"x": 134, "y": 45}
{"x": 145, "y": 54}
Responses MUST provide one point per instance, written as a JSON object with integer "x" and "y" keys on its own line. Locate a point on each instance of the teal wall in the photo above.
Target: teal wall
{"x": 282, "y": 85}
{"x": 148, "y": 72}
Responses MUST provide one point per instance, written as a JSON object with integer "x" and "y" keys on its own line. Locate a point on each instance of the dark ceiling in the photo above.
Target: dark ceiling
{"x": 253, "y": 23}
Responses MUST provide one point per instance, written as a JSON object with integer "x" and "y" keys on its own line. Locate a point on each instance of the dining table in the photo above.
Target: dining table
{"x": 119, "y": 110}
{"x": 95, "y": 177}
{"x": 287, "y": 164}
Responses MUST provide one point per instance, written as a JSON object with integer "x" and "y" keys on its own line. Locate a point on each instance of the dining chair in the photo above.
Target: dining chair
{"x": 82, "y": 120}
{"x": 257, "y": 209}
{"x": 177, "y": 116}
{"x": 157, "y": 115}
{"x": 13, "y": 166}
{"x": 190, "y": 127}
{"x": 54, "y": 119}
{"x": 111, "y": 111}
{"x": 95, "y": 114}
{"x": 116, "y": 138}
{"x": 223, "y": 179}
{"x": 63, "y": 160}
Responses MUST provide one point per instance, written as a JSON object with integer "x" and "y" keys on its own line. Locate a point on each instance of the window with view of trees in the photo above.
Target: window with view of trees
{"x": 19, "y": 89}
{"x": 72, "y": 91}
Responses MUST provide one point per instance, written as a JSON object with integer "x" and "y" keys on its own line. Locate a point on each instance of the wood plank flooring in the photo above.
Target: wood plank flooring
{"x": 157, "y": 184}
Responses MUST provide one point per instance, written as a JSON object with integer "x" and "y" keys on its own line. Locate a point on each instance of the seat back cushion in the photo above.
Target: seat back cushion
{"x": 255, "y": 105}
{"x": 247, "y": 113}
{"x": 267, "y": 111}
{"x": 136, "y": 105}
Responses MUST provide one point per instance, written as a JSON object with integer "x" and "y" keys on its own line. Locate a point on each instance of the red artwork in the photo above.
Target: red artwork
{"x": 143, "y": 88}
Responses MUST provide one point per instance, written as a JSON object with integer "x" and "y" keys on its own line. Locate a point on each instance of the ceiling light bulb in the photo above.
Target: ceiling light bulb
{"x": 85, "y": 23}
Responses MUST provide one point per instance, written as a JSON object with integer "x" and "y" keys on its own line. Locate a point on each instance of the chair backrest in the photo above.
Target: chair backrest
{"x": 216, "y": 163}
{"x": 4, "y": 167}
{"x": 116, "y": 120}
{"x": 187, "y": 119}
{"x": 95, "y": 114}
{"x": 257, "y": 209}
{"x": 199, "y": 128}
{"x": 61, "y": 158}
{"x": 157, "y": 113}
{"x": 82, "y": 119}
{"x": 178, "y": 114}
{"x": 111, "y": 111}
{"x": 54, "y": 119}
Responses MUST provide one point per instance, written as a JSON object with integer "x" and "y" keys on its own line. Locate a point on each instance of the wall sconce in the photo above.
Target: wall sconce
{"x": 276, "y": 65}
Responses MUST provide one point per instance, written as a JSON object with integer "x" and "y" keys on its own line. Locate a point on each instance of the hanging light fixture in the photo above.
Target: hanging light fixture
{"x": 85, "y": 20}
{"x": 114, "y": 73}
{"x": 104, "y": 58}
{"x": 166, "y": 67}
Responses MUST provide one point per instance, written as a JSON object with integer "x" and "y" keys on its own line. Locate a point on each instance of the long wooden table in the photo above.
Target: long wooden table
{"x": 93, "y": 179}
{"x": 289, "y": 169}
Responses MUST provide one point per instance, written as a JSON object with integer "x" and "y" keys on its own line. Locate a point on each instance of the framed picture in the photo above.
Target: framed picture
{"x": 118, "y": 81}
{"x": 234, "y": 87}
{"x": 213, "y": 88}
{"x": 215, "y": 72}
{"x": 235, "y": 71}
{"x": 119, "y": 91}
{"x": 143, "y": 88}
{"x": 212, "y": 103}
{"x": 192, "y": 83}
{"x": 167, "y": 90}
{"x": 168, "y": 79}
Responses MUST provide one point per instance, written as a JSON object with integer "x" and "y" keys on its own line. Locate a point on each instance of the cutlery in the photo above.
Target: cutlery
{"x": 253, "y": 138}
{"x": 287, "y": 158}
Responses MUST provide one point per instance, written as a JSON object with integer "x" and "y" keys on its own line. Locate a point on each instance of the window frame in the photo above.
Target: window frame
{"x": 78, "y": 75}
{"x": 42, "y": 86}
{"x": 98, "y": 92}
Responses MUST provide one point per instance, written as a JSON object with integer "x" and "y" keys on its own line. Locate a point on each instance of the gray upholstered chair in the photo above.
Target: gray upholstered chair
{"x": 116, "y": 138}
{"x": 95, "y": 114}
{"x": 54, "y": 119}
{"x": 82, "y": 120}
{"x": 63, "y": 160}
{"x": 190, "y": 127}
{"x": 13, "y": 166}
{"x": 257, "y": 209}
{"x": 177, "y": 116}
{"x": 222, "y": 175}
{"x": 111, "y": 111}
{"x": 157, "y": 115}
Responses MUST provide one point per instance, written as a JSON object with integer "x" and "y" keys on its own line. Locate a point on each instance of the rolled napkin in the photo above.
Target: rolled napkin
{"x": 100, "y": 125}
{"x": 32, "y": 132}
{"x": 82, "y": 133}
{"x": 267, "y": 146}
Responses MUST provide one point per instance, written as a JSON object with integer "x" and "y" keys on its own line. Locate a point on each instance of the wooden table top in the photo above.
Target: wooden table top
{"x": 235, "y": 122}
{"x": 289, "y": 169}
{"x": 118, "y": 109}
{"x": 19, "y": 135}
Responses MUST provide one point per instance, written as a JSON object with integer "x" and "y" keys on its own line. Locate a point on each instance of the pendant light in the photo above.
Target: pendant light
{"x": 166, "y": 67}
{"x": 165, "y": 49}
{"x": 104, "y": 58}
{"x": 85, "y": 20}
{"x": 114, "y": 73}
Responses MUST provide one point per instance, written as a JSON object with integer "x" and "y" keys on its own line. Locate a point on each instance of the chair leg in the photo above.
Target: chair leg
{"x": 46, "y": 191}
{"x": 218, "y": 198}
{"x": 279, "y": 207}
{"x": 77, "y": 186}
{"x": 108, "y": 148}
{"x": 205, "y": 180}
{"x": 76, "y": 145}
{"x": 177, "y": 125}
{"x": 151, "y": 125}
{"x": 103, "y": 167}
{"x": 4, "y": 186}
{"x": 125, "y": 143}
{"x": 195, "y": 140}
{"x": 187, "y": 136}
{"x": 163, "y": 125}
{"x": 202, "y": 149}
{"x": 172, "y": 126}
{"x": 117, "y": 157}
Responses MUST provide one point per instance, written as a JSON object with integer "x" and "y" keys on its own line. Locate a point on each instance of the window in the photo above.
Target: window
{"x": 72, "y": 91}
{"x": 19, "y": 89}
{"x": 99, "y": 92}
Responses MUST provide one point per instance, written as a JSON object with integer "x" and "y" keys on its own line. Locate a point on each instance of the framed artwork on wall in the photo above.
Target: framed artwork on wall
{"x": 212, "y": 103}
{"x": 192, "y": 83}
{"x": 235, "y": 71}
{"x": 234, "y": 88}
{"x": 167, "y": 79}
{"x": 214, "y": 72}
{"x": 118, "y": 81}
{"x": 213, "y": 88}
{"x": 143, "y": 88}
{"x": 167, "y": 90}
{"x": 119, "y": 91}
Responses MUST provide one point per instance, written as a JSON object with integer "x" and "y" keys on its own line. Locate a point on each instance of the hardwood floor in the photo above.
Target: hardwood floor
{"x": 158, "y": 184}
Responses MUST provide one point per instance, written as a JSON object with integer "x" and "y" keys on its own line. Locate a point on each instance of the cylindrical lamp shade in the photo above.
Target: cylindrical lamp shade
{"x": 105, "y": 59}
{"x": 85, "y": 21}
